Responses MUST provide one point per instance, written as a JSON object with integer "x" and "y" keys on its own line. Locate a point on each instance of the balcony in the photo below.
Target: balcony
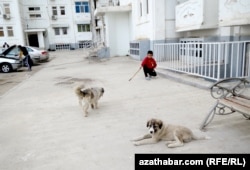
{"x": 234, "y": 13}
{"x": 112, "y": 9}
{"x": 193, "y": 15}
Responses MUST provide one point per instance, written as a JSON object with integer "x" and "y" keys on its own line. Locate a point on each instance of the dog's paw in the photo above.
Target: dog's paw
{"x": 174, "y": 145}
{"x": 169, "y": 142}
{"x": 169, "y": 145}
{"x": 136, "y": 143}
{"x": 133, "y": 140}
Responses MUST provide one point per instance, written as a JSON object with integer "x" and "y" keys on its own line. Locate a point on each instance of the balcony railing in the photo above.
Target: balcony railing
{"x": 215, "y": 61}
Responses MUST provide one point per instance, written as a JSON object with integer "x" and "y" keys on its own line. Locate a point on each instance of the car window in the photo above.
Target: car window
{"x": 13, "y": 52}
{"x": 29, "y": 49}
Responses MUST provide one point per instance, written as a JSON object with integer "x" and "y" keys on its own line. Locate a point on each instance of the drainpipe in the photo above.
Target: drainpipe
{"x": 92, "y": 18}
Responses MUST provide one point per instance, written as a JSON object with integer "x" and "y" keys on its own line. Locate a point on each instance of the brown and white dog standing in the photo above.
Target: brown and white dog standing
{"x": 175, "y": 135}
{"x": 90, "y": 96}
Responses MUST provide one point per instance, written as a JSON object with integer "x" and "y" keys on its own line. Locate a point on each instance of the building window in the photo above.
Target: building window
{"x": 64, "y": 31}
{"x": 82, "y": 7}
{"x": 35, "y": 15}
{"x": 54, "y": 10}
{"x": 83, "y": 27}
{"x": 191, "y": 47}
{"x": 143, "y": 8}
{"x": 6, "y": 8}
{"x": 147, "y": 11}
{"x": 1, "y": 32}
{"x": 33, "y": 12}
{"x": 62, "y": 9}
{"x": 140, "y": 10}
{"x": 57, "y": 31}
{"x": 10, "y": 31}
{"x": 34, "y": 8}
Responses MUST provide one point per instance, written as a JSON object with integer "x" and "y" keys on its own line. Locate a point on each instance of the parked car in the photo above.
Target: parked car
{"x": 9, "y": 64}
{"x": 36, "y": 54}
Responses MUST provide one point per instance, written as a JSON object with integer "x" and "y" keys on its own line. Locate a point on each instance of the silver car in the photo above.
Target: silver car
{"x": 9, "y": 64}
{"x": 37, "y": 55}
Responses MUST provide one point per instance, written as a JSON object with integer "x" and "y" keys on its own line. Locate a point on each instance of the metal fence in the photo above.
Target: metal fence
{"x": 72, "y": 46}
{"x": 214, "y": 60}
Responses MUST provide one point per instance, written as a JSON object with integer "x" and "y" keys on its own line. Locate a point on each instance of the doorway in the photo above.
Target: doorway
{"x": 33, "y": 40}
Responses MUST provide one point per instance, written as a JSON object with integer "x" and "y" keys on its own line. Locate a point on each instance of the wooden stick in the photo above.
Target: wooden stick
{"x": 134, "y": 74}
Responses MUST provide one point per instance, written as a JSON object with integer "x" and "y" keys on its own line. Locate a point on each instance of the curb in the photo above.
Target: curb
{"x": 186, "y": 79}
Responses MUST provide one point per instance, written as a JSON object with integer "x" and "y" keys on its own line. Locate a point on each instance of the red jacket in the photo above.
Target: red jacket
{"x": 149, "y": 63}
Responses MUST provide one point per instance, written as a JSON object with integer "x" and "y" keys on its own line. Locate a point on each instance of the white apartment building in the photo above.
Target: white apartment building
{"x": 123, "y": 27}
{"x": 134, "y": 26}
{"x": 48, "y": 24}
{"x": 114, "y": 25}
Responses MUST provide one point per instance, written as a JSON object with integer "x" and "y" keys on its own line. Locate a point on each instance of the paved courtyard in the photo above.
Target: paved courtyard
{"x": 42, "y": 126}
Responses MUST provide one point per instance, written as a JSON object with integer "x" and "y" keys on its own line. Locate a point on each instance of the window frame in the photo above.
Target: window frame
{"x": 6, "y": 8}
{"x": 34, "y": 16}
{"x": 64, "y": 31}
{"x": 83, "y": 27}
{"x": 57, "y": 31}
{"x": 34, "y": 9}
{"x": 10, "y": 32}
{"x": 1, "y": 32}
{"x": 82, "y": 7}
{"x": 54, "y": 10}
{"x": 62, "y": 10}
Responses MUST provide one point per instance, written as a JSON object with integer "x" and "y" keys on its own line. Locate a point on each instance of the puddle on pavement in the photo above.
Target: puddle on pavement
{"x": 65, "y": 80}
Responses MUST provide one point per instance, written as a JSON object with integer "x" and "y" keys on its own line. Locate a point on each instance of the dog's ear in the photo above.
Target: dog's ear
{"x": 101, "y": 92}
{"x": 92, "y": 95}
{"x": 160, "y": 123}
{"x": 84, "y": 92}
{"x": 148, "y": 122}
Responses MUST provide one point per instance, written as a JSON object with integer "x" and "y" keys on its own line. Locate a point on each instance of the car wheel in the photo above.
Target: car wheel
{"x": 6, "y": 67}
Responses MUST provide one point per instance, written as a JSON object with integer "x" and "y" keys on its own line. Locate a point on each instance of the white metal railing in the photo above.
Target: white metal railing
{"x": 213, "y": 60}
{"x": 86, "y": 44}
{"x": 72, "y": 46}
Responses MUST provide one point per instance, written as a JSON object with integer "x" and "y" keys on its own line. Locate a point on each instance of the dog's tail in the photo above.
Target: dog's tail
{"x": 200, "y": 137}
{"x": 78, "y": 90}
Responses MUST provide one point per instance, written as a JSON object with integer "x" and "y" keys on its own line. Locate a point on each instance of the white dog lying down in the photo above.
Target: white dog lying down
{"x": 175, "y": 135}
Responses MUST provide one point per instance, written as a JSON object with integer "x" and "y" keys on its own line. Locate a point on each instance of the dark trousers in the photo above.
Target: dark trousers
{"x": 149, "y": 72}
{"x": 28, "y": 62}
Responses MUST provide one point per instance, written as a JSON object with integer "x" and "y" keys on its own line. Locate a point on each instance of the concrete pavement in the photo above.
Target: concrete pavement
{"x": 42, "y": 126}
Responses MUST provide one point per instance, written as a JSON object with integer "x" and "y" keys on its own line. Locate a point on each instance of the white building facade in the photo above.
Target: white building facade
{"x": 124, "y": 27}
{"x": 170, "y": 21}
{"x": 48, "y": 24}
{"x": 11, "y": 29}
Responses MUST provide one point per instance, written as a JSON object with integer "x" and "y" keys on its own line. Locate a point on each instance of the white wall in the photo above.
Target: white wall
{"x": 158, "y": 27}
{"x": 118, "y": 33}
{"x": 234, "y": 12}
{"x": 21, "y": 21}
{"x": 142, "y": 25}
{"x": 14, "y": 22}
{"x": 196, "y": 15}
{"x": 158, "y": 24}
